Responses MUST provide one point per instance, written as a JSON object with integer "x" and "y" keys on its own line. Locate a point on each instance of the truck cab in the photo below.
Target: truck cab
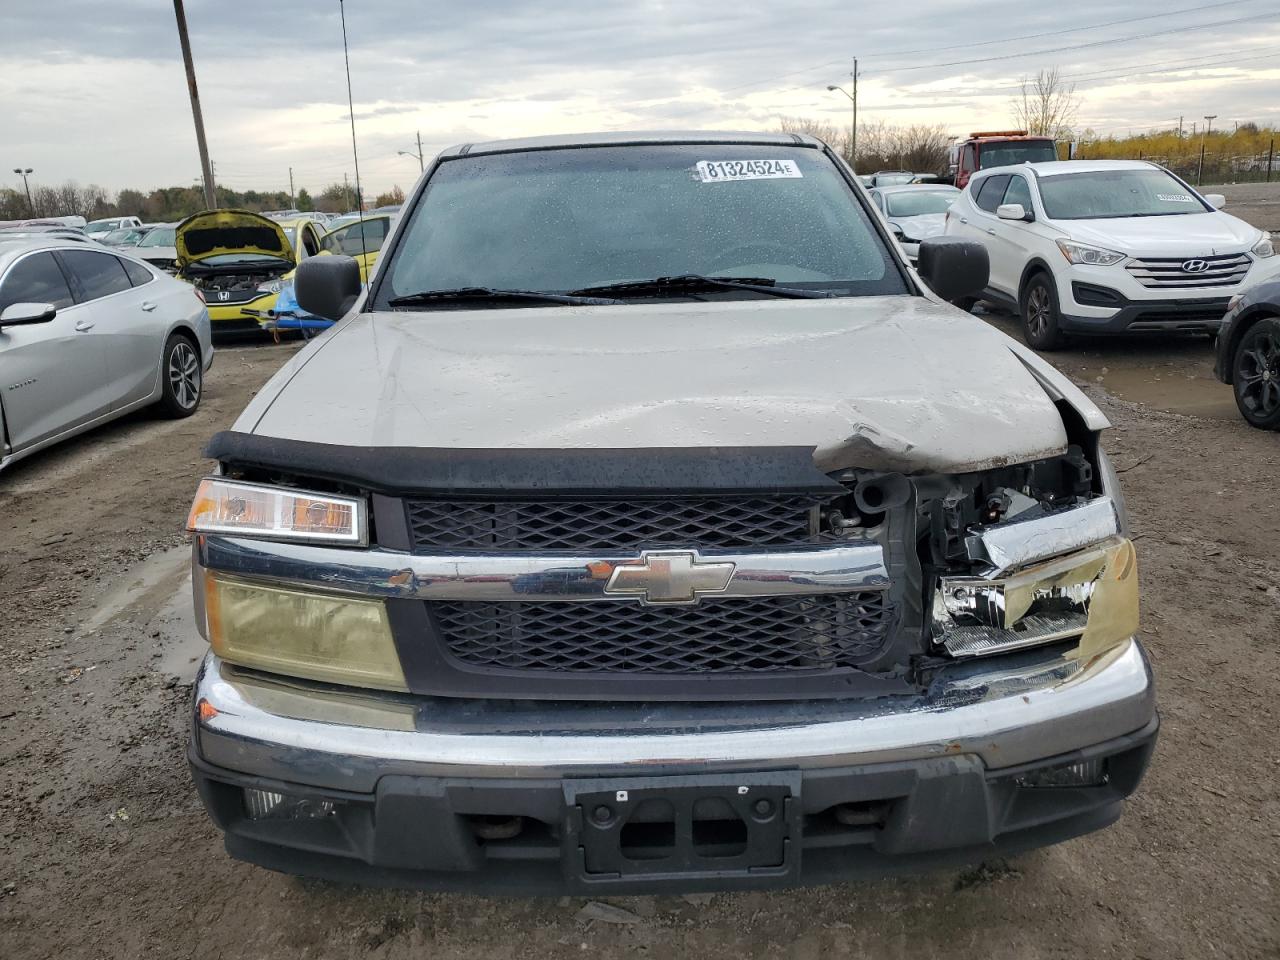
{"x": 1000, "y": 148}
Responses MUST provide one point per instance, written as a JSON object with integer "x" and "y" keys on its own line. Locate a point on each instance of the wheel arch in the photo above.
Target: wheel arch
{"x": 1034, "y": 266}
{"x": 1244, "y": 323}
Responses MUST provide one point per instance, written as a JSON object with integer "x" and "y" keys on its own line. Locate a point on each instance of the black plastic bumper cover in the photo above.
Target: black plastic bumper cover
{"x": 525, "y": 837}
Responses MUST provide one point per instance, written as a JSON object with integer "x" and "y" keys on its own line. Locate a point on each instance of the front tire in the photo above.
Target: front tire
{"x": 1255, "y": 375}
{"x": 1041, "y": 319}
{"x": 181, "y": 377}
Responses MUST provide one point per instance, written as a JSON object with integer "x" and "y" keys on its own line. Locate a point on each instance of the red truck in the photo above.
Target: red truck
{"x": 1000, "y": 148}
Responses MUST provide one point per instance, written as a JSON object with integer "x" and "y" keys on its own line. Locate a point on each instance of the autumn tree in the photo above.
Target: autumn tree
{"x": 393, "y": 197}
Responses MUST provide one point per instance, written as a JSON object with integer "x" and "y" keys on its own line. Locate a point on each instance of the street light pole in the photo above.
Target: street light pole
{"x": 206, "y": 170}
{"x": 409, "y": 153}
{"x": 25, "y": 172}
{"x": 853, "y": 98}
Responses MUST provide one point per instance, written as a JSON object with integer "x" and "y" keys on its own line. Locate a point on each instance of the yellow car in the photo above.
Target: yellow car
{"x": 238, "y": 259}
{"x": 361, "y": 240}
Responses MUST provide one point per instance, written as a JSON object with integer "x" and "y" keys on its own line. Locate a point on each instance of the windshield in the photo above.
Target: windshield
{"x": 893, "y": 179}
{"x": 562, "y": 220}
{"x": 119, "y": 236}
{"x": 1023, "y": 151}
{"x": 159, "y": 237}
{"x": 1105, "y": 194}
{"x": 917, "y": 203}
{"x": 101, "y": 227}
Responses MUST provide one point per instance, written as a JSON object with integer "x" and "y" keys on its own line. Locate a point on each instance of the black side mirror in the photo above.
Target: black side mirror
{"x": 22, "y": 313}
{"x": 954, "y": 268}
{"x": 327, "y": 286}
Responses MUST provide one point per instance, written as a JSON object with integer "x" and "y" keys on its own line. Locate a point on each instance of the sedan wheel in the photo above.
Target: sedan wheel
{"x": 1256, "y": 375}
{"x": 183, "y": 379}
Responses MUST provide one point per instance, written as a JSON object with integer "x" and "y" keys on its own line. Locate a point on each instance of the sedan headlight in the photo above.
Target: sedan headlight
{"x": 1091, "y": 594}
{"x": 277, "y": 513}
{"x": 272, "y": 287}
{"x": 299, "y": 633}
{"x": 1083, "y": 253}
{"x": 1264, "y": 248}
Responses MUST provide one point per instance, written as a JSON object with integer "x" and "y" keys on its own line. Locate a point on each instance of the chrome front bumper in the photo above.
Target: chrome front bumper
{"x": 1009, "y": 712}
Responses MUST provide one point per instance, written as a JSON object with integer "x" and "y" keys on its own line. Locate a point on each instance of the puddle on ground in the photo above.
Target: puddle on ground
{"x": 154, "y": 597}
{"x": 1173, "y": 373}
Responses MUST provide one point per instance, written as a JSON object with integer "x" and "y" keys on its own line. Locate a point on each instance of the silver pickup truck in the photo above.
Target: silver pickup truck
{"x": 649, "y": 524}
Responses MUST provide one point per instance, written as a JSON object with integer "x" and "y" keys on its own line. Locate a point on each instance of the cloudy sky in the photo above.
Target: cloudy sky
{"x": 94, "y": 91}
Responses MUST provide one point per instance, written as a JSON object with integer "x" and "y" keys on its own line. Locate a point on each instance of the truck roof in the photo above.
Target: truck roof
{"x": 629, "y": 138}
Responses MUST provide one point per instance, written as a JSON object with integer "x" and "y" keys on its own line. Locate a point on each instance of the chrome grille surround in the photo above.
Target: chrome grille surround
{"x": 1224, "y": 270}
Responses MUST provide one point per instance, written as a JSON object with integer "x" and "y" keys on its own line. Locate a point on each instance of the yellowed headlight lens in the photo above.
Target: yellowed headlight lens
{"x": 259, "y": 510}
{"x": 302, "y": 634}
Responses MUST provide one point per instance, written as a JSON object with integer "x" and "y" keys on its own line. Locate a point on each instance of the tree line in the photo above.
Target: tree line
{"x": 165, "y": 204}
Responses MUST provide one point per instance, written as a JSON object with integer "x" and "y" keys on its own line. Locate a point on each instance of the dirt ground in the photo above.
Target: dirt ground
{"x": 105, "y": 851}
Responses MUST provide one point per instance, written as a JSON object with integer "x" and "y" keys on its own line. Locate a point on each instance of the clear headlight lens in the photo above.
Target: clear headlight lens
{"x": 272, "y": 287}
{"x": 298, "y": 633}
{"x": 1091, "y": 594}
{"x": 1083, "y": 253}
{"x": 280, "y": 513}
{"x": 1264, "y": 248}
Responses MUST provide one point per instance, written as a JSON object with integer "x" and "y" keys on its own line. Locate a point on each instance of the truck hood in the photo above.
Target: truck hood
{"x": 215, "y": 233}
{"x": 1185, "y": 235}
{"x": 894, "y": 383}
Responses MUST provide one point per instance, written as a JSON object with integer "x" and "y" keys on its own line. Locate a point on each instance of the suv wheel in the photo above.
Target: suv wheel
{"x": 1255, "y": 374}
{"x": 182, "y": 383}
{"x": 1040, "y": 318}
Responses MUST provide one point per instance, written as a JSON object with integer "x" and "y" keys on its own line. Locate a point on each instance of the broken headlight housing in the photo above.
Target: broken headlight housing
{"x": 1090, "y": 594}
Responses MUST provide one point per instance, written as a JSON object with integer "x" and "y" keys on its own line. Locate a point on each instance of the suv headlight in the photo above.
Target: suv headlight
{"x": 1083, "y": 253}
{"x": 1091, "y": 594}
{"x": 1264, "y": 248}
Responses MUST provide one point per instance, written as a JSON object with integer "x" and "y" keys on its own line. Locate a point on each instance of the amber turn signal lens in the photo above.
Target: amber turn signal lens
{"x": 277, "y": 513}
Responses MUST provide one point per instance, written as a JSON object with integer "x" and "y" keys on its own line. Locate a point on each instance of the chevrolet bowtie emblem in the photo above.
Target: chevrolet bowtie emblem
{"x": 670, "y": 576}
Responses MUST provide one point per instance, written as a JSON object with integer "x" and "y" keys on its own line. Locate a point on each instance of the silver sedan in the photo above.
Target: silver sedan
{"x": 87, "y": 335}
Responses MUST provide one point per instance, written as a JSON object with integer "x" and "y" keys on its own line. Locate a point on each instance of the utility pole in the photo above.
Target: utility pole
{"x": 25, "y": 172}
{"x": 1208, "y": 123}
{"x": 346, "y": 189}
{"x": 206, "y": 170}
{"x": 1179, "y": 128}
{"x": 853, "y": 142}
{"x": 291, "y": 187}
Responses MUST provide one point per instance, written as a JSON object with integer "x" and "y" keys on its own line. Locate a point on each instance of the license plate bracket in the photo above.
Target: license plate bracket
{"x": 701, "y": 827}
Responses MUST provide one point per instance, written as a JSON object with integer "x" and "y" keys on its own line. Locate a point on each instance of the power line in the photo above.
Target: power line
{"x": 1054, "y": 33}
{"x": 1092, "y": 26}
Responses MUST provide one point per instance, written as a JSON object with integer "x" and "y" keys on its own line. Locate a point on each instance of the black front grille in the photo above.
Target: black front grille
{"x": 610, "y": 524}
{"x": 730, "y": 635}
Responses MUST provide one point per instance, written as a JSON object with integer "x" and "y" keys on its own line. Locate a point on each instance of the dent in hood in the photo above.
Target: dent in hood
{"x": 215, "y": 233}
{"x": 894, "y": 383}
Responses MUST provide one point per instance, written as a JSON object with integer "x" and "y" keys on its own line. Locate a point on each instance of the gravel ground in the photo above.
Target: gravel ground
{"x": 105, "y": 851}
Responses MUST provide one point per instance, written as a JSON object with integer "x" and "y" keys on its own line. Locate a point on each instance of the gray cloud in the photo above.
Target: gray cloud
{"x": 94, "y": 91}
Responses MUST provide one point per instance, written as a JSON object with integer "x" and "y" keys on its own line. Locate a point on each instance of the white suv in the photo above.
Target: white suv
{"x": 1108, "y": 246}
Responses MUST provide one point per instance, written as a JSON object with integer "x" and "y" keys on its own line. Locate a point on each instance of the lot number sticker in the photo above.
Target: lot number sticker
{"x": 715, "y": 171}
{"x": 1176, "y": 198}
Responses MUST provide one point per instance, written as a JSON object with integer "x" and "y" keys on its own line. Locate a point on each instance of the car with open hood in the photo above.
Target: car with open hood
{"x": 647, "y": 523}
{"x": 238, "y": 259}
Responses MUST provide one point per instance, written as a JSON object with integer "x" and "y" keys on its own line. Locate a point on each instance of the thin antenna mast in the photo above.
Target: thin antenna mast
{"x": 351, "y": 111}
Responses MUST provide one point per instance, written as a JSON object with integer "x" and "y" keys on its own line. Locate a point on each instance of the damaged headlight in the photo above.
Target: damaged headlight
{"x": 1091, "y": 594}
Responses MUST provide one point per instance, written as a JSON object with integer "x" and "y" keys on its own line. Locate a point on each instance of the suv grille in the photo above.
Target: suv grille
{"x": 755, "y": 521}
{"x": 1222, "y": 271}
{"x": 764, "y": 634}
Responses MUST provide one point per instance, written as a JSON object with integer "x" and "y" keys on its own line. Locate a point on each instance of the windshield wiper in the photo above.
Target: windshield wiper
{"x": 687, "y": 282}
{"x": 492, "y": 293}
